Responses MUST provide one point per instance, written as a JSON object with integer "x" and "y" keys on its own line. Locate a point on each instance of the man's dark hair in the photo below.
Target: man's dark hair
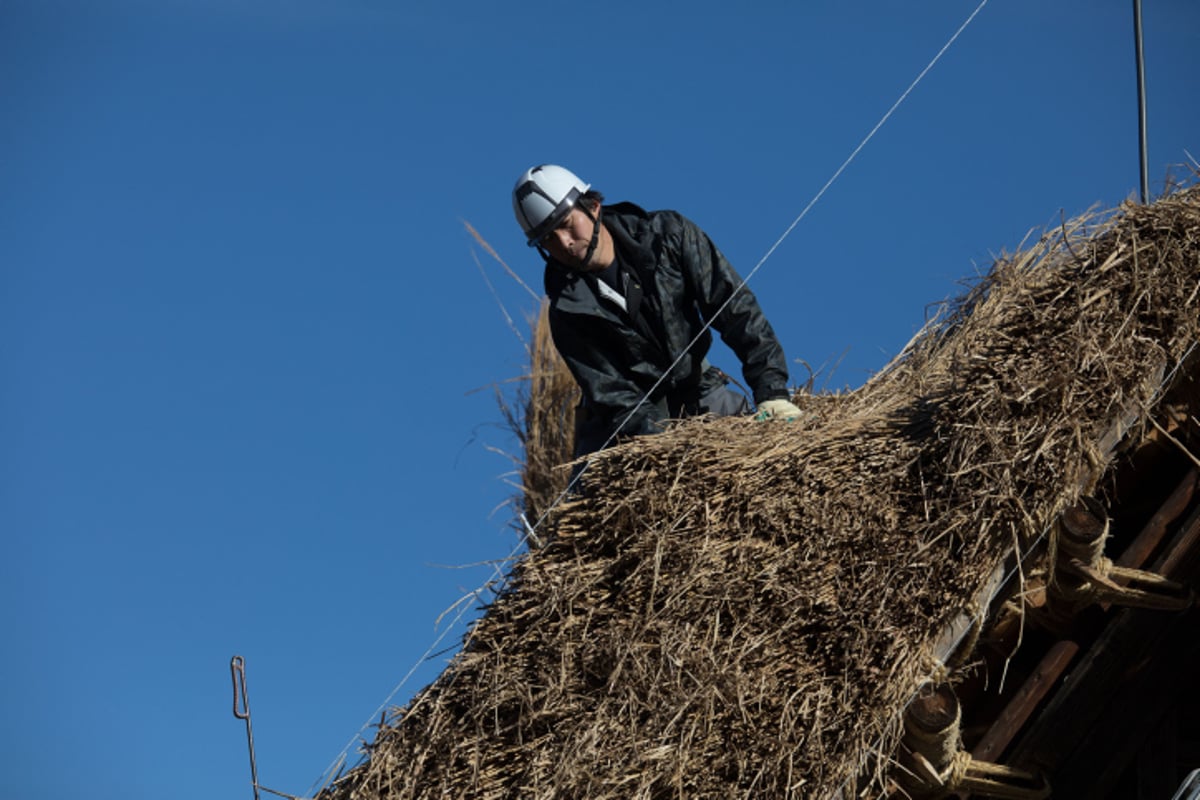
{"x": 592, "y": 198}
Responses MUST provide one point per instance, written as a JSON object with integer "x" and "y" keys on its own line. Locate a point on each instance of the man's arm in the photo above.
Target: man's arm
{"x": 742, "y": 324}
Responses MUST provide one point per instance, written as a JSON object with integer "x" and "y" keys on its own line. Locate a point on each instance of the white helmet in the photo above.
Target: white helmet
{"x": 543, "y": 196}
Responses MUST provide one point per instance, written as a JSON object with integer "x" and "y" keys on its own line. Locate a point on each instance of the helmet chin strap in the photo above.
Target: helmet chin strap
{"x": 595, "y": 218}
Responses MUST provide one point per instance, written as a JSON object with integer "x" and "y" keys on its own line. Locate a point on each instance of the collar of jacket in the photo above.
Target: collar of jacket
{"x": 628, "y": 224}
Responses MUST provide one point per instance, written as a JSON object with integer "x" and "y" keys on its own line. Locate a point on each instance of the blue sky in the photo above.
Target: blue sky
{"x": 247, "y": 352}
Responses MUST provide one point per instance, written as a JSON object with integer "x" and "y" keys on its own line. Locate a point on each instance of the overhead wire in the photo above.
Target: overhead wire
{"x": 531, "y": 530}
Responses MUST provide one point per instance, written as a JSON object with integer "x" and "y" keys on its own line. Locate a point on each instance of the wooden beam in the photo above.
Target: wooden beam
{"x": 1046, "y": 674}
{"x": 1137, "y": 708}
{"x": 1152, "y": 533}
{"x": 1028, "y": 697}
{"x": 1095, "y": 715}
{"x": 1186, "y": 549}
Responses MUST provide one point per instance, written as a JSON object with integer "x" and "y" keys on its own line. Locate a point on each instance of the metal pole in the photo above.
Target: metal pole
{"x": 1141, "y": 93}
{"x": 241, "y": 710}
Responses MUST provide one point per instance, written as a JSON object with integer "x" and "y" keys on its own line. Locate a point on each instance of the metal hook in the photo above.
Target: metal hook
{"x": 240, "y": 699}
{"x": 241, "y": 710}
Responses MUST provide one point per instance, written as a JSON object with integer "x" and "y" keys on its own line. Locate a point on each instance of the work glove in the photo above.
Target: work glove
{"x": 780, "y": 409}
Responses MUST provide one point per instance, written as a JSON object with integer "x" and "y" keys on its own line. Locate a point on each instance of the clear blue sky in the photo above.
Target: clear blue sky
{"x": 246, "y": 349}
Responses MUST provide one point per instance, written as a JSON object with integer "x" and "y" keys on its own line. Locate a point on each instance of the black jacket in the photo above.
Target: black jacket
{"x": 684, "y": 280}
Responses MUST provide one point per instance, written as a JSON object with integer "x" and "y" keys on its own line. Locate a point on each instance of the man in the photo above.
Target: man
{"x": 630, "y": 292}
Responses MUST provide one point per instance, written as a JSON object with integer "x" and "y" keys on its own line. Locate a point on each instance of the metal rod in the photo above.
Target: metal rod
{"x": 241, "y": 710}
{"x": 1141, "y": 95}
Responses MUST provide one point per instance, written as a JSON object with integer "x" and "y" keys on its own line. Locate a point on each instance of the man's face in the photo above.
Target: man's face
{"x": 568, "y": 243}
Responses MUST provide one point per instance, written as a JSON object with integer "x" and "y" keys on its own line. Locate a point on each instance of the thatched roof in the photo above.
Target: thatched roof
{"x": 739, "y": 609}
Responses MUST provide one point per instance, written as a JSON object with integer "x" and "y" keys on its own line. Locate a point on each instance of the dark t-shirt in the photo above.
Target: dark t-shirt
{"x": 612, "y": 275}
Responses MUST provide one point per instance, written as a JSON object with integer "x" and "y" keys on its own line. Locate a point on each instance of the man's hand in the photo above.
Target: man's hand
{"x": 783, "y": 410}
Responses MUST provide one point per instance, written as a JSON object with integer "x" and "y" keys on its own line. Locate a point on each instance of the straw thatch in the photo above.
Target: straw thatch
{"x": 740, "y": 609}
{"x": 544, "y": 422}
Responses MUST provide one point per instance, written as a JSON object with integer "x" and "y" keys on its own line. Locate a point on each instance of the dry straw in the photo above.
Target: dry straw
{"x": 737, "y": 609}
